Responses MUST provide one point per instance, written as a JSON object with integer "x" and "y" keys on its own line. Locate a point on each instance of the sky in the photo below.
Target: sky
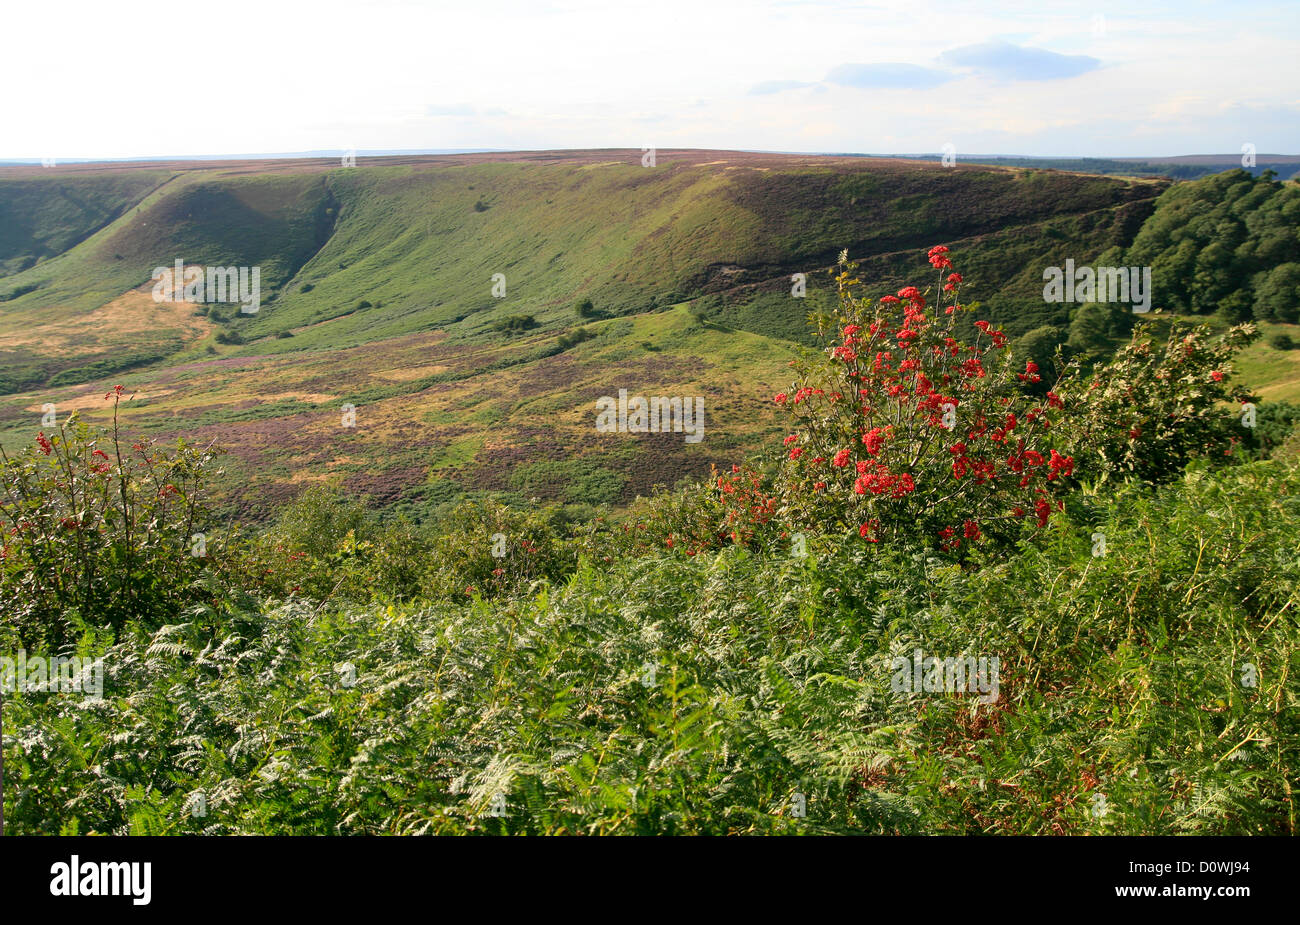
{"x": 138, "y": 78}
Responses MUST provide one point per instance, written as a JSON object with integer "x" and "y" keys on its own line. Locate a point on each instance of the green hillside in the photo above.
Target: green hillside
{"x": 44, "y": 215}
{"x": 421, "y": 244}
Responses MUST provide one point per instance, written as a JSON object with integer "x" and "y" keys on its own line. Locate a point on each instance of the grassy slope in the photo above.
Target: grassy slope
{"x": 1277, "y": 372}
{"x": 44, "y": 215}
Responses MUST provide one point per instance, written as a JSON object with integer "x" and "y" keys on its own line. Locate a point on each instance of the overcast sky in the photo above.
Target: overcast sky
{"x": 140, "y": 78}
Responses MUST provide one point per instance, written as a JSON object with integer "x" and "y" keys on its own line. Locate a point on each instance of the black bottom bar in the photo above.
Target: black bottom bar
{"x": 372, "y": 874}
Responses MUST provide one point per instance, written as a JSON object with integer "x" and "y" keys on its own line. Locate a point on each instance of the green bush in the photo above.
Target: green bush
{"x": 327, "y": 547}
{"x": 515, "y": 323}
{"x": 101, "y": 533}
{"x": 1275, "y": 422}
{"x": 1153, "y": 408}
{"x": 322, "y": 546}
{"x": 574, "y": 337}
{"x": 485, "y": 548}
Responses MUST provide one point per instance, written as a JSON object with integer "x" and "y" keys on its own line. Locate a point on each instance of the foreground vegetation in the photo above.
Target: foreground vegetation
{"x": 669, "y": 693}
{"x": 721, "y": 659}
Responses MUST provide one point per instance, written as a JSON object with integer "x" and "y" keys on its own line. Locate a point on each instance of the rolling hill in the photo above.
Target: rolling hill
{"x": 378, "y": 297}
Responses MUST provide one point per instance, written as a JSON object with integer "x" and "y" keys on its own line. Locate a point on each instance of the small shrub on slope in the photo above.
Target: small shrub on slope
{"x": 1154, "y": 408}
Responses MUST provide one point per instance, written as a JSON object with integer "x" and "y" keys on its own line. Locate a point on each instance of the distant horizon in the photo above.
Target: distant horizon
{"x": 434, "y": 152}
